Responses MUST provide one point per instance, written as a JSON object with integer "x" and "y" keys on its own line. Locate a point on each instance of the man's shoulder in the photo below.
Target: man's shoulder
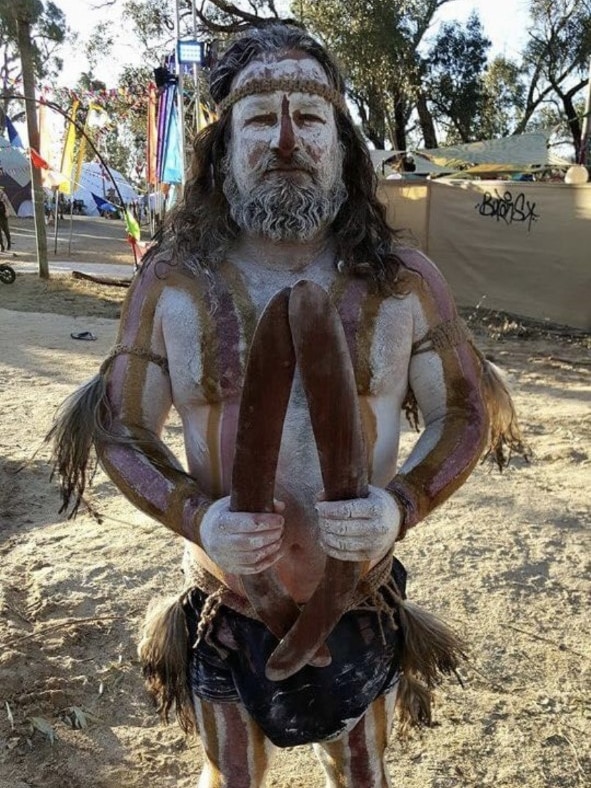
{"x": 416, "y": 260}
{"x": 422, "y": 271}
{"x": 427, "y": 282}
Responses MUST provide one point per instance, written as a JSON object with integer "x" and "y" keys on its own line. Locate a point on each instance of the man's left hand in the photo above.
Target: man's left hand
{"x": 362, "y": 529}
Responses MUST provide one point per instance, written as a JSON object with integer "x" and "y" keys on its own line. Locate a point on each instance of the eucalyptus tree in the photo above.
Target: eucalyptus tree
{"x": 378, "y": 42}
{"x": 29, "y": 25}
{"x": 556, "y": 61}
{"x": 455, "y": 79}
{"x": 48, "y": 31}
{"x": 504, "y": 98}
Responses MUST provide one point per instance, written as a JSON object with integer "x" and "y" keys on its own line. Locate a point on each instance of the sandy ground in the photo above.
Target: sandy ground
{"x": 506, "y": 561}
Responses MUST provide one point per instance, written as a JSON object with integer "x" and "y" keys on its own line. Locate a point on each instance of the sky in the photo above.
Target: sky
{"x": 504, "y": 21}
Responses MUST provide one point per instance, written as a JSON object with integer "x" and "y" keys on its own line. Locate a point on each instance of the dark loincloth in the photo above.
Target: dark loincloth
{"x": 316, "y": 703}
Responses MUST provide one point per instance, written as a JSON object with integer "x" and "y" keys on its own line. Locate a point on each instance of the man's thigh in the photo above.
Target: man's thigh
{"x": 356, "y": 758}
{"x": 236, "y": 750}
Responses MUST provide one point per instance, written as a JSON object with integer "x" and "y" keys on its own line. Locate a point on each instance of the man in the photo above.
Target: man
{"x": 280, "y": 233}
{"x": 4, "y": 228}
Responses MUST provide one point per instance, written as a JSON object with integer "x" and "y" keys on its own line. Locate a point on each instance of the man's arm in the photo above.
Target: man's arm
{"x": 445, "y": 376}
{"x": 144, "y": 469}
{"x": 139, "y": 395}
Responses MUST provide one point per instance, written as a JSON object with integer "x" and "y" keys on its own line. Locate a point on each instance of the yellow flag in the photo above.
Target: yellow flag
{"x": 68, "y": 152}
{"x": 82, "y": 150}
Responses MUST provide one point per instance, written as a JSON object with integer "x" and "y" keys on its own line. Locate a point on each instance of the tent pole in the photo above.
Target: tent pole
{"x": 196, "y": 71}
{"x": 71, "y": 223}
{"x": 180, "y": 92}
{"x": 55, "y": 218}
{"x": 585, "y": 152}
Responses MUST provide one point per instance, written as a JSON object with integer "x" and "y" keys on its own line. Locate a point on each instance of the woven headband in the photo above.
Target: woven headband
{"x": 287, "y": 85}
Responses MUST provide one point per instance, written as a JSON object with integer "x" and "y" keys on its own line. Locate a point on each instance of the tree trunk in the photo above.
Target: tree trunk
{"x": 574, "y": 123}
{"x": 26, "y": 53}
{"x": 426, "y": 122}
{"x": 400, "y": 141}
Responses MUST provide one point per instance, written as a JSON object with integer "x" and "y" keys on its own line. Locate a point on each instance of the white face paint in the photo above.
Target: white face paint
{"x": 282, "y": 135}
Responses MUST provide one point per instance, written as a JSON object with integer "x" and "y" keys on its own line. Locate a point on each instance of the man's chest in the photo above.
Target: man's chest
{"x": 209, "y": 346}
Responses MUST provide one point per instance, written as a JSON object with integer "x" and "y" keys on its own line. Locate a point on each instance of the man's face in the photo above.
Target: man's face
{"x": 284, "y": 155}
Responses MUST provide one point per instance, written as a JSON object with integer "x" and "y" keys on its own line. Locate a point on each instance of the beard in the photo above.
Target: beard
{"x": 280, "y": 208}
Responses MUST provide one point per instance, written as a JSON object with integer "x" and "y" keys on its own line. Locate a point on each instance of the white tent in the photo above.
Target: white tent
{"x": 519, "y": 152}
{"x": 423, "y": 166}
{"x": 15, "y": 176}
{"x": 95, "y": 179}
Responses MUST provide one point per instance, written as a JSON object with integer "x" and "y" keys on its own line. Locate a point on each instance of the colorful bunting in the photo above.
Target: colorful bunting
{"x": 37, "y": 160}
{"x": 132, "y": 227}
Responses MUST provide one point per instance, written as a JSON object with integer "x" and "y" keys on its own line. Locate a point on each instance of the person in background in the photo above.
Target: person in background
{"x": 279, "y": 249}
{"x": 5, "y": 242}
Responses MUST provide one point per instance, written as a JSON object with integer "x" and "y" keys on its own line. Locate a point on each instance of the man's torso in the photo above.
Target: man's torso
{"x": 206, "y": 327}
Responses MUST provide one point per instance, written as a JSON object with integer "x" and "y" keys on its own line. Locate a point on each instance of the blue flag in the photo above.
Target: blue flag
{"x": 102, "y": 204}
{"x": 13, "y": 135}
{"x": 172, "y": 169}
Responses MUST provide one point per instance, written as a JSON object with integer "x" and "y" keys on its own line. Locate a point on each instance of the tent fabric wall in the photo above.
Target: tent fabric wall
{"x": 518, "y": 247}
{"x": 407, "y": 208}
{"x": 94, "y": 180}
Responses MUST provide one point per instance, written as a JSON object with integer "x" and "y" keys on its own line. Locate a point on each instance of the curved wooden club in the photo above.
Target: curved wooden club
{"x": 265, "y": 396}
{"x": 329, "y": 383}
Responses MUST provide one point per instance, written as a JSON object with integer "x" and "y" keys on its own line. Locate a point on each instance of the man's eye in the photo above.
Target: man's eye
{"x": 268, "y": 119}
{"x": 309, "y": 117}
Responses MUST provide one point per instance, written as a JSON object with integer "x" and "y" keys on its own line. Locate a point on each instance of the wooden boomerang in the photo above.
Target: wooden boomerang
{"x": 265, "y": 395}
{"x": 329, "y": 383}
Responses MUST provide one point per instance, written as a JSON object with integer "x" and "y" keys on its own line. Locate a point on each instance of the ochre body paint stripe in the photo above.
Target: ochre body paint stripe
{"x": 452, "y": 458}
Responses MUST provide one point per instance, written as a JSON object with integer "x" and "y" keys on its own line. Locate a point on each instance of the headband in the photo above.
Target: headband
{"x": 285, "y": 84}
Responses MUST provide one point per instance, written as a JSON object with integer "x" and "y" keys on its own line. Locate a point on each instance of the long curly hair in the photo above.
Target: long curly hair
{"x": 199, "y": 230}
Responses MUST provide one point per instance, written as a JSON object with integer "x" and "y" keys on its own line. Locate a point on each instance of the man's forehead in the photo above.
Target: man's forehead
{"x": 290, "y": 72}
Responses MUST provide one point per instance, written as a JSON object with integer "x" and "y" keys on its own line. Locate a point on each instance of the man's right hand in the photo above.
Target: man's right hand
{"x": 241, "y": 542}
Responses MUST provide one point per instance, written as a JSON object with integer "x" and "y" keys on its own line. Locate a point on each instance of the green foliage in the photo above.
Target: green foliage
{"x": 153, "y": 22}
{"x": 48, "y": 32}
{"x": 99, "y": 44}
{"x": 377, "y": 43}
{"x": 556, "y": 60}
{"x": 455, "y": 85}
{"x": 504, "y": 98}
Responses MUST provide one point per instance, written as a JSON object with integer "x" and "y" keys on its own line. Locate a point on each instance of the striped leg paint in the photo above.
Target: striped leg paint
{"x": 356, "y": 759}
{"x": 236, "y": 752}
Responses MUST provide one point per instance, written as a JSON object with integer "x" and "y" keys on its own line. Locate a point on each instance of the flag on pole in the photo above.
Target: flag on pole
{"x": 50, "y": 177}
{"x": 13, "y": 135}
{"x": 172, "y": 170}
{"x": 68, "y": 151}
{"x": 45, "y": 144}
{"x": 102, "y": 204}
{"x": 38, "y": 161}
{"x": 165, "y": 105}
{"x": 132, "y": 227}
{"x": 83, "y": 145}
{"x": 152, "y": 137}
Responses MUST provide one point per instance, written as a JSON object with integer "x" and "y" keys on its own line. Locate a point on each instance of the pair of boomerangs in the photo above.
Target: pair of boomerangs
{"x": 299, "y": 325}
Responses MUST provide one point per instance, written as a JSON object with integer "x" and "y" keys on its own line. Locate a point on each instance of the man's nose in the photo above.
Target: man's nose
{"x": 285, "y": 142}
